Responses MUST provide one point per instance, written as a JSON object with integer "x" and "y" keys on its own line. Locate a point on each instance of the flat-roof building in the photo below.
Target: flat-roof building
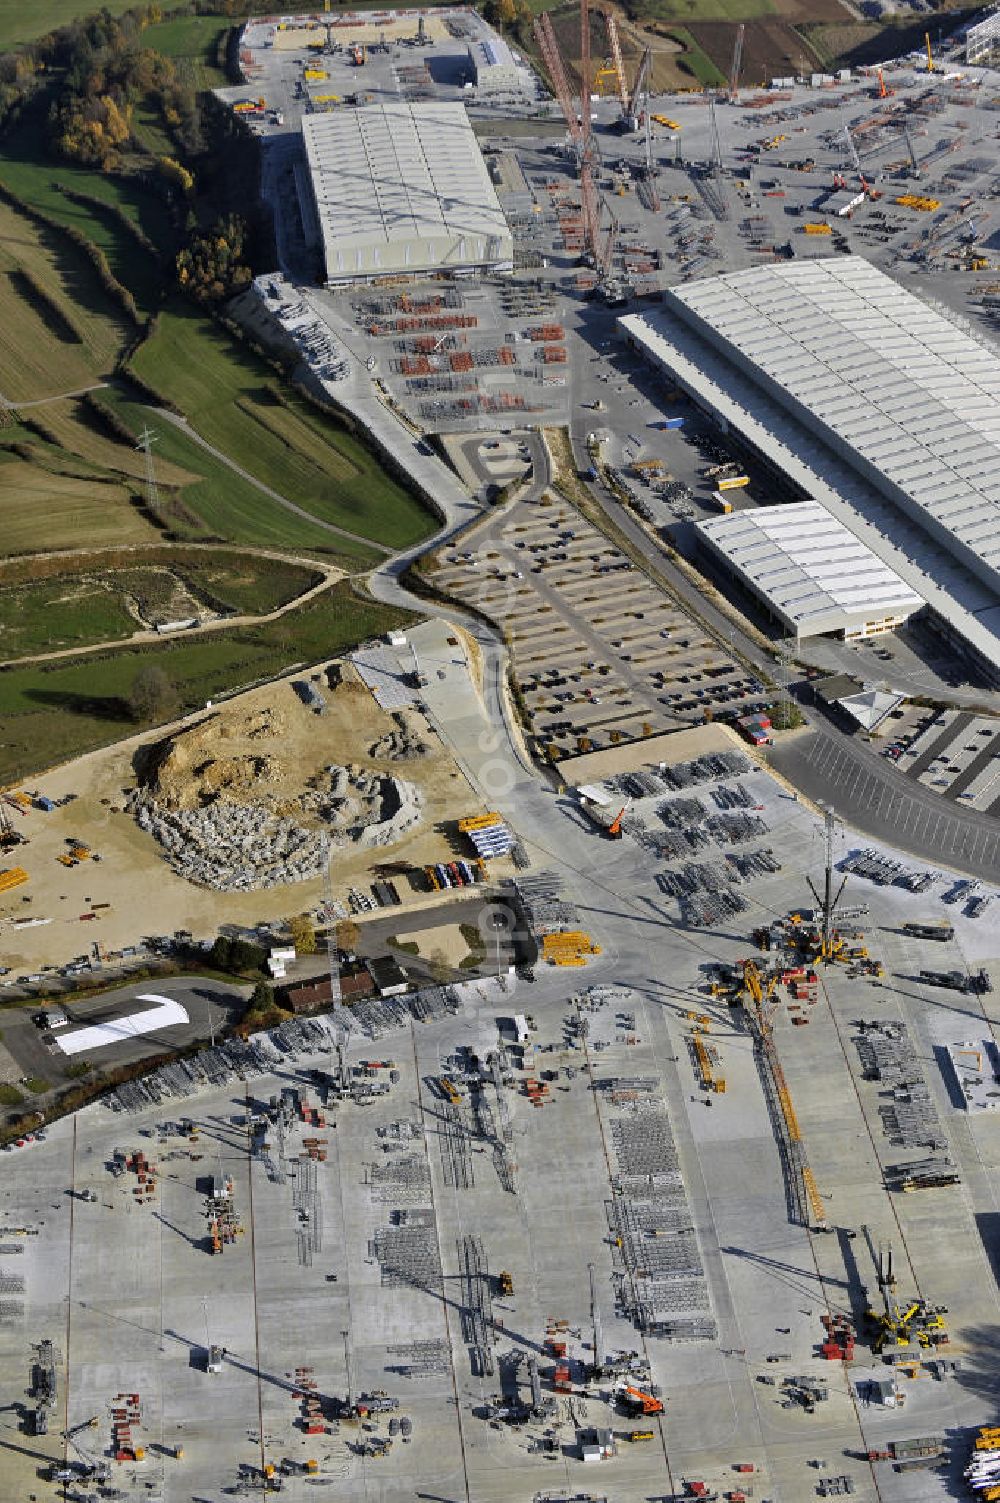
{"x": 865, "y": 399}
{"x": 494, "y": 69}
{"x": 810, "y": 572}
{"x": 402, "y": 189}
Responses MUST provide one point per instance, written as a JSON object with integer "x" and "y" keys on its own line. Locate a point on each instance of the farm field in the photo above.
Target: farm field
{"x": 60, "y": 330}
{"x": 71, "y": 426}
{"x": 52, "y": 713}
{"x": 42, "y": 510}
{"x": 28, "y": 170}
{"x": 229, "y": 397}
{"x": 771, "y": 49}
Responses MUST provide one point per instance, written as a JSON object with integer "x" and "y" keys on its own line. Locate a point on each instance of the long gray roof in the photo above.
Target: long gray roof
{"x": 886, "y": 377}
{"x": 395, "y": 172}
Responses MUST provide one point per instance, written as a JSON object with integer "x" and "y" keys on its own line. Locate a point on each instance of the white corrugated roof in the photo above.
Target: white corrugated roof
{"x": 395, "y": 172}
{"x": 821, "y": 471}
{"x": 891, "y": 381}
{"x": 813, "y": 569}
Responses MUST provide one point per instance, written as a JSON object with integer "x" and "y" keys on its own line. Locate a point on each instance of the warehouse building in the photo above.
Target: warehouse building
{"x": 494, "y": 69}
{"x": 809, "y": 571}
{"x": 401, "y": 189}
{"x": 863, "y": 398}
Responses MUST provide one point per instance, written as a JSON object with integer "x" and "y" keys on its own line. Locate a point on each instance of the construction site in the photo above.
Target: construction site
{"x": 282, "y": 800}
{"x": 699, "y": 1212}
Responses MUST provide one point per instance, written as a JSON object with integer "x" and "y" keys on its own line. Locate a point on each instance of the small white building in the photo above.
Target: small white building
{"x": 494, "y": 69}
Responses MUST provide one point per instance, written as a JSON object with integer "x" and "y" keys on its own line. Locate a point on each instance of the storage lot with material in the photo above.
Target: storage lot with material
{"x": 389, "y": 1197}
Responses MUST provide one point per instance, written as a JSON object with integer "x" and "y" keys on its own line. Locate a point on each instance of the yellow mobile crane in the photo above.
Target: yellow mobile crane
{"x": 898, "y": 1329}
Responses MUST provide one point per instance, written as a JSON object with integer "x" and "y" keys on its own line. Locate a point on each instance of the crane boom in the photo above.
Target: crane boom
{"x": 552, "y": 57}
{"x": 734, "y": 72}
{"x": 639, "y": 84}
{"x": 615, "y": 46}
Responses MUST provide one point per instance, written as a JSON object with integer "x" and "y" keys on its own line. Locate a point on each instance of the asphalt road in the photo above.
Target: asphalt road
{"x": 880, "y": 801}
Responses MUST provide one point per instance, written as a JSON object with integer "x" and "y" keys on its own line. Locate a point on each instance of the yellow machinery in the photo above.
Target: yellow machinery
{"x": 667, "y": 124}
{"x": 816, "y": 229}
{"x": 919, "y": 202}
{"x": 898, "y": 1329}
{"x": 506, "y": 1282}
{"x": 570, "y": 948}
{"x": 316, "y": 75}
{"x": 450, "y": 1090}
{"x": 706, "y": 1058}
{"x": 641, "y": 1435}
{"x": 479, "y": 822}
{"x": 733, "y": 483}
{"x": 931, "y": 65}
{"x": 14, "y": 876}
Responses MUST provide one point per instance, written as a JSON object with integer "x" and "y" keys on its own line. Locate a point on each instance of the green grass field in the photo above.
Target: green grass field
{"x": 54, "y": 613}
{"x": 230, "y": 508}
{"x": 245, "y": 583}
{"x": 85, "y": 602}
{"x": 219, "y": 384}
{"x": 195, "y": 39}
{"x": 23, "y": 20}
{"x": 52, "y": 713}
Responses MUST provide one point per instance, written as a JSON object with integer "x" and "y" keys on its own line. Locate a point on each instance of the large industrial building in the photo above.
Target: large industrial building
{"x": 863, "y": 398}
{"x": 401, "y": 189}
{"x": 810, "y": 571}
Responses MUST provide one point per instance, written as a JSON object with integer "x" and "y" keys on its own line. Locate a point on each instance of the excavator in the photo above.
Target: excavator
{"x": 636, "y": 1401}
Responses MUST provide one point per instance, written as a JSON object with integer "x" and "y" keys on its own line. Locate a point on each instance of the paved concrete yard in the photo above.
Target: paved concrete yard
{"x": 145, "y": 1294}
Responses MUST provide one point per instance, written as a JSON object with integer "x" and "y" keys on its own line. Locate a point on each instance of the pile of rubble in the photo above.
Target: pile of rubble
{"x": 245, "y": 847}
{"x": 399, "y": 745}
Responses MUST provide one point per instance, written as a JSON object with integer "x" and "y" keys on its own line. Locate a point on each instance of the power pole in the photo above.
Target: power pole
{"x": 595, "y": 1316}
{"x": 347, "y": 1363}
{"x": 147, "y": 438}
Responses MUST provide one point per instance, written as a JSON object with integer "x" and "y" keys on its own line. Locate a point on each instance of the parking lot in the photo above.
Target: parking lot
{"x": 601, "y": 655}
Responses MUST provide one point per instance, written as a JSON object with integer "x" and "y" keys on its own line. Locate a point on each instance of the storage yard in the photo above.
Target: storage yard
{"x": 600, "y": 655}
{"x": 543, "y": 1225}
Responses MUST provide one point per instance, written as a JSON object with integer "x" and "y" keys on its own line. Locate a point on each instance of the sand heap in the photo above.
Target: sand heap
{"x": 243, "y": 821}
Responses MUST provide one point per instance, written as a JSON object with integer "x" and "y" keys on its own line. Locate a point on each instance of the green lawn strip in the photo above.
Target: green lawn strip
{"x": 696, "y": 61}
{"x": 205, "y": 373}
{"x": 231, "y": 508}
{"x": 51, "y": 713}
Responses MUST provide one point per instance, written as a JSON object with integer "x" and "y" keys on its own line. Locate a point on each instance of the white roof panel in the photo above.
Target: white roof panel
{"x": 809, "y": 566}
{"x": 892, "y": 381}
